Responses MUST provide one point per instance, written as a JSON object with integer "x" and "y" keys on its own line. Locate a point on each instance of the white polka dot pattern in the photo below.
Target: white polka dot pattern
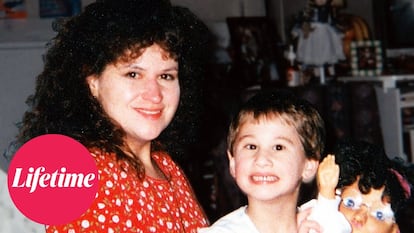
{"x": 126, "y": 204}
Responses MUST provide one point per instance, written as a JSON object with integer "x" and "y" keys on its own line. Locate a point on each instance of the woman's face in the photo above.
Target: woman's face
{"x": 367, "y": 213}
{"x": 140, "y": 95}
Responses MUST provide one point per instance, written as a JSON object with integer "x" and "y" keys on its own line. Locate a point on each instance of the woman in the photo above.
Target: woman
{"x": 113, "y": 79}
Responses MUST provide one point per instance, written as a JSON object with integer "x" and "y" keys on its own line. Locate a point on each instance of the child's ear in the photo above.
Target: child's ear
{"x": 310, "y": 169}
{"x": 231, "y": 164}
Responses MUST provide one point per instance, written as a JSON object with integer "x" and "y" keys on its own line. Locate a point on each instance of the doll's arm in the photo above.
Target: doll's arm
{"x": 328, "y": 176}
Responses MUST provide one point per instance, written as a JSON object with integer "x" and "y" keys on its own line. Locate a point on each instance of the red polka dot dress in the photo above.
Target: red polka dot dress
{"x": 126, "y": 204}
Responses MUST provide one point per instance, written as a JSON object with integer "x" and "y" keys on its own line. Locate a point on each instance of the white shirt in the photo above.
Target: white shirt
{"x": 234, "y": 222}
{"x": 325, "y": 212}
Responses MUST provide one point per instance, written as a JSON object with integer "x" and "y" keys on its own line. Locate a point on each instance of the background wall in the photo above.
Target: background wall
{"x": 22, "y": 44}
{"x": 211, "y": 10}
{"x": 282, "y": 11}
{"x": 214, "y": 12}
{"x": 218, "y": 10}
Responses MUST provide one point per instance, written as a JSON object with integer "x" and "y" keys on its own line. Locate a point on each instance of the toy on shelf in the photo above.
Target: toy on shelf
{"x": 319, "y": 37}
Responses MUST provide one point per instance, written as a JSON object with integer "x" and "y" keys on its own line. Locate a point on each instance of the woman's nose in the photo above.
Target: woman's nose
{"x": 152, "y": 91}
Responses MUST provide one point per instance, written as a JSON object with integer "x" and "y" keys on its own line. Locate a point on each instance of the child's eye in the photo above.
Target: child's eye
{"x": 251, "y": 147}
{"x": 278, "y": 147}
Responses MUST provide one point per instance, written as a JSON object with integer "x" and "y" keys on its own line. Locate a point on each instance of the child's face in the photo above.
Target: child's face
{"x": 367, "y": 213}
{"x": 268, "y": 160}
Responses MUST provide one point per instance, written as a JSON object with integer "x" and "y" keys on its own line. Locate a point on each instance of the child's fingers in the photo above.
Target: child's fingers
{"x": 303, "y": 214}
{"x": 309, "y": 226}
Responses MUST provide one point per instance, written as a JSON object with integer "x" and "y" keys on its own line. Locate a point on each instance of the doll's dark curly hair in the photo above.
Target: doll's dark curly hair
{"x": 369, "y": 163}
{"x": 86, "y": 43}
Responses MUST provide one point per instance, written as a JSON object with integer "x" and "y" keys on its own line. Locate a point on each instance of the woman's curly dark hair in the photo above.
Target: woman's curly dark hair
{"x": 86, "y": 43}
{"x": 369, "y": 163}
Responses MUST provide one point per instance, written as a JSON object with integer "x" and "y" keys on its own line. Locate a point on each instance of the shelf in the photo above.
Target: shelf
{"x": 388, "y": 81}
{"x": 395, "y": 94}
{"x": 407, "y": 103}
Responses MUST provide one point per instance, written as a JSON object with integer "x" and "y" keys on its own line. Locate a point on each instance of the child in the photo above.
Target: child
{"x": 274, "y": 144}
{"x": 373, "y": 189}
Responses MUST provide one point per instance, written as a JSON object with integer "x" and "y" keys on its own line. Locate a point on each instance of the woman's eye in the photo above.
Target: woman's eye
{"x": 167, "y": 77}
{"x": 132, "y": 74}
{"x": 278, "y": 147}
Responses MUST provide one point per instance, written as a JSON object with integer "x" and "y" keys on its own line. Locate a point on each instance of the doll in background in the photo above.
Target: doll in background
{"x": 360, "y": 190}
{"x": 319, "y": 38}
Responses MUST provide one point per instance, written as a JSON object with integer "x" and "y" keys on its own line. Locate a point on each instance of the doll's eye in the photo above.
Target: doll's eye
{"x": 379, "y": 215}
{"x": 350, "y": 202}
{"x": 385, "y": 214}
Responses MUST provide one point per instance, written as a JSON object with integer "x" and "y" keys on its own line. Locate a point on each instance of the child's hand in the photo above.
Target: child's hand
{"x": 305, "y": 225}
{"x": 328, "y": 176}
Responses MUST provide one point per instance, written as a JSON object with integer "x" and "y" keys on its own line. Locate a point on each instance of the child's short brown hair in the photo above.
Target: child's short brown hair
{"x": 290, "y": 109}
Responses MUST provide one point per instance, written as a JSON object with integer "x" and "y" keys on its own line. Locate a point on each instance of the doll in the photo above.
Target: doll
{"x": 319, "y": 38}
{"x": 361, "y": 190}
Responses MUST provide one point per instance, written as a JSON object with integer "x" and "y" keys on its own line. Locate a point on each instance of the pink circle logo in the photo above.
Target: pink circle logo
{"x": 52, "y": 179}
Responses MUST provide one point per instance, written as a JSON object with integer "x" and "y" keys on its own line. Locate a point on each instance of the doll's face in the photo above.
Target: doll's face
{"x": 367, "y": 213}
